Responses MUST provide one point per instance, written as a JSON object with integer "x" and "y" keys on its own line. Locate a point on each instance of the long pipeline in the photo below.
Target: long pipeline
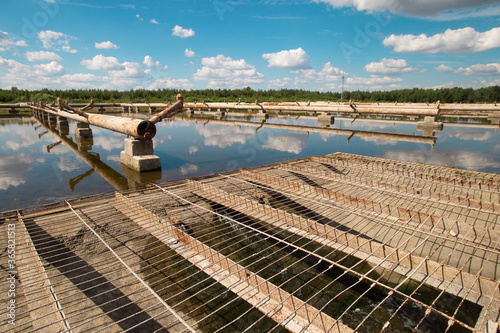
{"x": 141, "y": 129}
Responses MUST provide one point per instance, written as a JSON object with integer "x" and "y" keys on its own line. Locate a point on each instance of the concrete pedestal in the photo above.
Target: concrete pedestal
{"x": 429, "y": 126}
{"x": 326, "y": 118}
{"x": 138, "y": 155}
{"x": 83, "y": 130}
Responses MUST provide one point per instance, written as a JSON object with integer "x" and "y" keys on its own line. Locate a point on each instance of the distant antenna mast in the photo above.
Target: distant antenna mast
{"x": 342, "y": 95}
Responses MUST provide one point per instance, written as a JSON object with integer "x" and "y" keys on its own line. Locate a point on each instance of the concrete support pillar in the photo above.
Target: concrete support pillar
{"x": 136, "y": 179}
{"x": 262, "y": 115}
{"x": 325, "y": 120}
{"x": 190, "y": 112}
{"x": 83, "y": 130}
{"x": 84, "y": 144}
{"x": 138, "y": 155}
{"x": 126, "y": 109}
{"x": 137, "y": 109}
{"x": 52, "y": 120}
{"x": 429, "y": 126}
{"x": 220, "y": 113}
{"x": 412, "y": 118}
{"x": 494, "y": 118}
{"x": 101, "y": 110}
{"x": 63, "y": 125}
{"x": 152, "y": 109}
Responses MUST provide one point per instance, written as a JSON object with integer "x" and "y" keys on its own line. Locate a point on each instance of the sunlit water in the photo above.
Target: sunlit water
{"x": 36, "y": 169}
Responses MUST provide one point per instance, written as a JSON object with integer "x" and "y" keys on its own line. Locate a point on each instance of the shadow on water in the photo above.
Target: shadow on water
{"x": 194, "y": 293}
{"x": 329, "y": 287}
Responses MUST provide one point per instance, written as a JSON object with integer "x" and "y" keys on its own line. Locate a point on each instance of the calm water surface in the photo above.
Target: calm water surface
{"x": 38, "y": 165}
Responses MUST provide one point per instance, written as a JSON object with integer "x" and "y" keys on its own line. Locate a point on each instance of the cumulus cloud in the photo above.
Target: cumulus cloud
{"x": 193, "y": 149}
{"x": 291, "y": 143}
{"x": 279, "y": 83}
{"x": 188, "y": 168}
{"x": 477, "y": 69}
{"x": 8, "y": 44}
{"x": 375, "y": 82}
{"x": 465, "y": 40}
{"x": 36, "y": 56}
{"x": 188, "y": 53}
{"x": 53, "y": 68}
{"x": 293, "y": 59}
{"x": 408, "y": 7}
{"x": 100, "y": 62}
{"x": 464, "y": 159}
{"x": 224, "y": 136}
{"x": 106, "y": 45}
{"x": 223, "y": 71}
{"x": 326, "y": 77}
{"x": 139, "y": 17}
{"x": 441, "y": 86}
{"x": 14, "y": 169}
{"x": 154, "y": 21}
{"x": 170, "y": 83}
{"x": 130, "y": 70}
{"x": 182, "y": 33}
{"x": 148, "y": 61}
{"x": 83, "y": 80}
{"x": 53, "y": 39}
{"x": 389, "y": 67}
{"x": 444, "y": 69}
{"x": 480, "y": 69}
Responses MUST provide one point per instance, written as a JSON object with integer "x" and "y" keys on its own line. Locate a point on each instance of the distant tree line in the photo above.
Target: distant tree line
{"x": 415, "y": 95}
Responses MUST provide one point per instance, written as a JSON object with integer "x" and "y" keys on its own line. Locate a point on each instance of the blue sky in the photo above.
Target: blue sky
{"x": 306, "y": 44}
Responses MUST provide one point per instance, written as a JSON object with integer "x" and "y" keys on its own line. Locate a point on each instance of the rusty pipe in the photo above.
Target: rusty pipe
{"x": 137, "y": 128}
{"x": 170, "y": 111}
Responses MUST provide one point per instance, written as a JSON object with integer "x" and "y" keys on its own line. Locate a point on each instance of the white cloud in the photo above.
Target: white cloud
{"x": 193, "y": 149}
{"x": 291, "y": 143}
{"x": 469, "y": 160}
{"x": 36, "y": 56}
{"x": 480, "y": 69}
{"x": 389, "y": 67}
{"x": 100, "y": 62}
{"x": 130, "y": 70}
{"x": 139, "y": 17}
{"x": 109, "y": 143}
{"x": 83, "y": 80}
{"x": 171, "y": 84}
{"x": 68, "y": 49}
{"x": 472, "y": 134}
{"x": 224, "y": 136}
{"x": 279, "y": 83}
{"x": 446, "y": 85}
{"x": 8, "y": 44}
{"x": 188, "y": 53}
{"x": 188, "y": 168}
{"x": 14, "y": 170}
{"x": 106, "y": 45}
{"x": 154, "y": 21}
{"x": 149, "y": 62}
{"x": 375, "y": 82}
{"x": 408, "y": 7}
{"x": 54, "y": 39}
{"x": 182, "y": 33}
{"x": 477, "y": 69}
{"x": 293, "y": 59}
{"x": 444, "y": 69}
{"x": 465, "y": 40}
{"x": 327, "y": 76}
{"x": 223, "y": 71}
{"x": 53, "y": 68}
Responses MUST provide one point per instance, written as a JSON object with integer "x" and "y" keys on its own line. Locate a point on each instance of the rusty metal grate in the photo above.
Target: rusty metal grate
{"x": 332, "y": 243}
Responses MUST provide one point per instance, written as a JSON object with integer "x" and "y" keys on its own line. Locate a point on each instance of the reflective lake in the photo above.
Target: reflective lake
{"x": 39, "y": 164}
